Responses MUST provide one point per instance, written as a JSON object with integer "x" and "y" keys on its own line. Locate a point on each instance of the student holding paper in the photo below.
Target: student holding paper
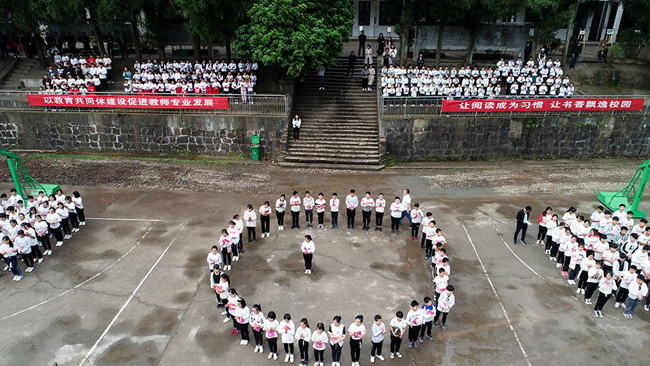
{"x": 356, "y": 331}
{"x": 308, "y": 249}
{"x": 271, "y": 326}
{"x": 319, "y": 340}
{"x": 378, "y": 330}
{"x": 257, "y": 323}
{"x": 337, "y": 336}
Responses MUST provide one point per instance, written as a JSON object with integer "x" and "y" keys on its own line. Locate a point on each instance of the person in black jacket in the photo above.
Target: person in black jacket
{"x": 522, "y": 224}
{"x": 362, "y": 42}
{"x": 577, "y": 50}
{"x": 351, "y": 60}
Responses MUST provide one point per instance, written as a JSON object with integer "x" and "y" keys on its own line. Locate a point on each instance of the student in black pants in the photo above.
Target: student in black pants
{"x": 397, "y": 328}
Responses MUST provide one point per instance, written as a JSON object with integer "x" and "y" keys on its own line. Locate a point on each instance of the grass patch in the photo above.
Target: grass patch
{"x": 136, "y": 158}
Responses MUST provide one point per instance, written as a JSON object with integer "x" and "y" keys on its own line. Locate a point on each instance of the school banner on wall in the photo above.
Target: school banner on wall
{"x": 524, "y": 105}
{"x": 136, "y": 101}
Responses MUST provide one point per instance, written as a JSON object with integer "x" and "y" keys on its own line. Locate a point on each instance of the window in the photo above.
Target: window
{"x": 364, "y": 12}
{"x": 509, "y": 19}
{"x": 387, "y": 13}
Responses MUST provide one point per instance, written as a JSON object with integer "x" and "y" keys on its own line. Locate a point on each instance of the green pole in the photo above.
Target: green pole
{"x": 14, "y": 176}
{"x": 639, "y": 191}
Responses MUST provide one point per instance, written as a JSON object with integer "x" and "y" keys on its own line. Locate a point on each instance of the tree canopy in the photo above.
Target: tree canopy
{"x": 295, "y": 34}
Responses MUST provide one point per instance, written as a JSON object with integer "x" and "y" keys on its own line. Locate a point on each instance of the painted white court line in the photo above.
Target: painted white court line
{"x": 110, "y": 325}
{"x": 82, "y": 283}
{"x": 120, "y": 219}
{"x": 503, "y": 309}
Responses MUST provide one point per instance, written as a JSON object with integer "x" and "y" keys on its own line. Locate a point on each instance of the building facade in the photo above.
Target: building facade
{"x": 374, "y": 17}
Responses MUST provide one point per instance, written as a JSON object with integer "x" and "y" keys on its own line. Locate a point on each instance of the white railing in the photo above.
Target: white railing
{"x": 410, "y": 107}
{"x": 258, "y": 104}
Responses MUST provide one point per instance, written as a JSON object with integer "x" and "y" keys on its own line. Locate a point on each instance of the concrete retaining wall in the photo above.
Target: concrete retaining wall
{"x": 140, "y": 132}
{"x": 497, "y": 138}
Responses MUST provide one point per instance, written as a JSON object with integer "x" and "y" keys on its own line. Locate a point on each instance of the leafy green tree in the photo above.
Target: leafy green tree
{"x": 214, "y": 21}
{"x": 157, "y": 13}
{"x": 295, "y": 34}
{"x": 548, "y": 16}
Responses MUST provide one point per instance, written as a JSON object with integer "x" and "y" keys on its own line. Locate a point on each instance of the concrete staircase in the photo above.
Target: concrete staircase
{"x": 339, "y": 124}
{"x": 18, "y": 74}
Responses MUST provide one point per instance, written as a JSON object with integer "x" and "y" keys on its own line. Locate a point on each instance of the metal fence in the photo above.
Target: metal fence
{"x": 258, "y": 104}
{"x": 408, "y": 107}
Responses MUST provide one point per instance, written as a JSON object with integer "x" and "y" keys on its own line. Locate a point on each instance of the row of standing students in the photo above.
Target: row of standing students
{"x": 601, "y": 254}
{"x": 419, "y": 320}
{"x": 26, "y": 226}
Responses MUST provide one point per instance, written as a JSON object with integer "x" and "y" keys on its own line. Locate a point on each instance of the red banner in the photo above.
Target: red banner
{"x": 123, "y": 101}
{"x": 521, "y": 105}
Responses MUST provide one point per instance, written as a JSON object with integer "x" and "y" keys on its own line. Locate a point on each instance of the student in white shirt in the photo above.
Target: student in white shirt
{"x": 569, "y": 216}
{"x": 414, "y": 319}
{"x": 238, "y": 246}
{"x": 446, "y": 301}
{"x": 320, "y": 210}
{"x": 356, "y": 331}
{"x": 380, "y": 205}
{"x": 551, "y": 225}
{"x": 367, "y": 203}
{"x": 596, "y": 217}
{"x": 416, "y": 218}
{"x": 214, "y": 259}
{"x": 78, "y": 201}
{"x": 336, "y": 332}
{"x": 627, "y": 221}
{"x": 265, "y": 218}
{"x": 294, "y": 201}
{"x": 21, "y": 242}
{"x": 395, "y": 215}
{"x": 272, "y": 327}
{"x": 257, "y": 323}
{"x": 377, "y": 331}
{"x": 65, "y": 220}
{"x": 605, "y": 288}
{"x": 307, "y": 248}
{"x": 397, "y": 328}
{"x": 425, "y": 224}
{"x": 54, "y": 220}
{"x": 226, "y": 244}
{"x": 43, "y": 234}
{"x": 594, "y": 276}
{"x": 303, "y": 335}
{"x": 625, "y": 278}
{"x": 429, "y": 309}
{"x": 242, "y": 316}
{"x": 351, "y": 203}
{"x": 11, "y": 258}
{"x": 251, "y": 222}
{"x": 280, "y": 207}
{"x": 221, "y": 286}
{"x": 308, "y": 202}
{"x": 72, "y": 214}
{"x": 544, "y": 218}
{"x": 319, "y": 340}
{"x": 288, "y": 332}
{"x": 406, "y": 206}
{"x": 638, "y": 290}
{"x": 30, "y": 234}
{"x": 334, "y": 209}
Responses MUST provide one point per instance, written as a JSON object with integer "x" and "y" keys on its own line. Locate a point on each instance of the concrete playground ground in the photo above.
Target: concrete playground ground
{"x": 132, "y": 287}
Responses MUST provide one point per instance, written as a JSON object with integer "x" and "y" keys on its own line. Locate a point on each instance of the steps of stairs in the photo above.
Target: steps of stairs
{"x": 326, "y": 159}
{"x": 313, "y": 165}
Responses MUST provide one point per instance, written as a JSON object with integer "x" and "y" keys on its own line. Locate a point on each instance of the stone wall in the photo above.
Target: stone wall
{"x": 147, "y": 133}
{"x": 615, "y": 76}
{"x": 503, "y": 138}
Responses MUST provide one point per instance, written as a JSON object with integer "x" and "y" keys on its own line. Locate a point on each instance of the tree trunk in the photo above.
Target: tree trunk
{"x": 136, "y": 38}
{"x": 211, "y": 50}
{"x": 441, "y": 31}
{"x": 228, "y": 53}
{"x": 39, "y": 51}
{"x": 569, "y": 32}
{"x": 470, "y": 47}
{"x": 100, "y": 38}
{"x": 403, "y": 43}
{"x": 197, "y": 47}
